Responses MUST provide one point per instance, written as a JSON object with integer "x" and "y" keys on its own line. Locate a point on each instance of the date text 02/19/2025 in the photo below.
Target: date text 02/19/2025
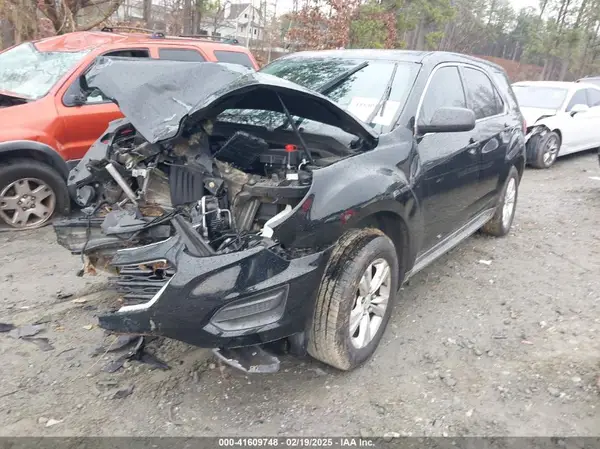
{"x": 290, "y": 442}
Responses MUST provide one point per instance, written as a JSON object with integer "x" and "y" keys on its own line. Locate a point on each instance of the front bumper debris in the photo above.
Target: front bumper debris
{"x": 229, "y": 300}
{"x": 249, "y": 359}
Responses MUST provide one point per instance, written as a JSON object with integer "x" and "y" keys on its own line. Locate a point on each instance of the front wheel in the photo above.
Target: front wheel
{"x": 500, "y": 223}
{"x": 545, "y": 150}
{"x": 31, "y": 193}
{"x": 355, "y": 299}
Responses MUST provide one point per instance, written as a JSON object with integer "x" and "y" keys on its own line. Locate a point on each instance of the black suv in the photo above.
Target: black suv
{"x": 240, "y": 208}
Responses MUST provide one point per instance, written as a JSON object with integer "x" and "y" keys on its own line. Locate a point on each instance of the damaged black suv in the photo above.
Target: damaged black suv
{"x": 238, "y": 208}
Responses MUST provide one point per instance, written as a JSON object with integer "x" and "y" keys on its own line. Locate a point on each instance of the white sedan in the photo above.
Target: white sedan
{"x": 562, "y": 118}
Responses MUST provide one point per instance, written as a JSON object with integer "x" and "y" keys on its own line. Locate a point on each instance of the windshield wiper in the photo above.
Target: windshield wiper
{"x": 328, "y": 87}
{"x": 384, "y": 98}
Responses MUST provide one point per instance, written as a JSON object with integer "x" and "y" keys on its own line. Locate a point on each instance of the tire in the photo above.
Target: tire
{"x": 329, "y": 338}
{"x": 499, "y": 225}
{"x": 545, "y": 150}
{"x": 33, "y": 176}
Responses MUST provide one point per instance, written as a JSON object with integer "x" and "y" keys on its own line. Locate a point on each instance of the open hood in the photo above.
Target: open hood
{"x": 158, "y": 96}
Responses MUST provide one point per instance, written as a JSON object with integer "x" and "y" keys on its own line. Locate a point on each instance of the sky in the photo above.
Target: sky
{"x": 284, "y": 6}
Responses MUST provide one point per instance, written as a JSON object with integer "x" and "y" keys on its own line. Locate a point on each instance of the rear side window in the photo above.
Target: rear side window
{"x": 484, "y": 98}
{"x": 233, "y": 57}
{"x": 593, "y": 96}
{"x": 129, "y": 53}
{"x": 578, "y": 98}
{"x": 180, "y": 54}
{"x": 504, "y": 85}
{"x": 445, "y": 90}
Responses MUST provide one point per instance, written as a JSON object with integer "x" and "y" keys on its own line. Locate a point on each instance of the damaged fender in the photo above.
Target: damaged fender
{"x": 537, "y": 130}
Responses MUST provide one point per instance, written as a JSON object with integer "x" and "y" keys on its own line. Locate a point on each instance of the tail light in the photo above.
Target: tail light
{"x": 524, "y": 126}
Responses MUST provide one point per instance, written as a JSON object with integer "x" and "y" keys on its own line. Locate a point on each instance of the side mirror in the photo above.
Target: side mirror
{"x": 449, "y": 120}
{"x": 576, "y": 109}
{"x": 77, "y": 93}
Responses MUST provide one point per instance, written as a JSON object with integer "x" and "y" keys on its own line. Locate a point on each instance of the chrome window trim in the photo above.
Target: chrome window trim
{"x": 458, "y": 65}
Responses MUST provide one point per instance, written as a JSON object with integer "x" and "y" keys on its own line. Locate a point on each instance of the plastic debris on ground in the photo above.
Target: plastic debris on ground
{"x": 252, "y": 359}
{"x": 6, "y": 327}
{"x": 138, "y": 353}
{"x": 28, "y": 330}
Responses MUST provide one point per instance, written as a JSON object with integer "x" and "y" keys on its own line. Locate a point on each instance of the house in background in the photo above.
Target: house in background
{"x": 132, "y": 11}
{"x": 241, "y": 21}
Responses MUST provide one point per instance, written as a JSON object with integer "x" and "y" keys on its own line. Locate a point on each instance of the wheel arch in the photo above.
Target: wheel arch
{"x": 394, "y": 226}
{"x": 560, "y": 135}
{"x": 520, "y": 166}
{"x": 27, "y": 149}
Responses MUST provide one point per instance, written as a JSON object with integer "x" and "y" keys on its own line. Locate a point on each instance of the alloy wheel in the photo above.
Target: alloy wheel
{"x": 550, "y": 150}
{"x": 27, "y": 203}
{"x": 370, "y": 304}
{"x": 508, "y": 207}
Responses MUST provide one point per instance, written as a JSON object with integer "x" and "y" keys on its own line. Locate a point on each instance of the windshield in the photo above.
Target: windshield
{"x": 358, "y": 94}
{"x": 28, "y": 73}
{"x": 540, "y": 97}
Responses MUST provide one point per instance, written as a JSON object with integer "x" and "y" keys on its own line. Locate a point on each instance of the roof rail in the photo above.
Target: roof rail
{"x": 162, "y": 35}
{"x": 225, "y": 40}
{"x": 111, "y": 29}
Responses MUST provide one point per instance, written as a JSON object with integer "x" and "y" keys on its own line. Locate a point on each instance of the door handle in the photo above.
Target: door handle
{"x": 473, "y": 145}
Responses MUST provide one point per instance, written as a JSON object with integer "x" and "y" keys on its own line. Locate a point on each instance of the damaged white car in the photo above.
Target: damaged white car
{"x": 562, "y": 118}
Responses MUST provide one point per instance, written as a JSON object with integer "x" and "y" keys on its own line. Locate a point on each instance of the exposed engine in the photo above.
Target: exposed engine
{"x": 228, "y": 189}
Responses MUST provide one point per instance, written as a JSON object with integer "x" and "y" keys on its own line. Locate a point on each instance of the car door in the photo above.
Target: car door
{"x": 575, "y": 126}
{"x": 84, "y": 123}
{"x": 492, "y": 132}
{"x": 449, "y": 161}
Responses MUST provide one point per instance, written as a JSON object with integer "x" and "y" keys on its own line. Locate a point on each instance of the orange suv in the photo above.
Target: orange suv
{"x": 46, "y": 122}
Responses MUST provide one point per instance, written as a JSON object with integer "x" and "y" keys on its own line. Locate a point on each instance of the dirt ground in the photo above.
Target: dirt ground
{"x": 499, "y": 337}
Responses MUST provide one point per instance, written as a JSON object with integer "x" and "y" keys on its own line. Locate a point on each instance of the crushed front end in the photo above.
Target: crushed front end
{"x": 185, "y": 204}
{"x": 189, "y": 240}
{"x": 227, "y": 300}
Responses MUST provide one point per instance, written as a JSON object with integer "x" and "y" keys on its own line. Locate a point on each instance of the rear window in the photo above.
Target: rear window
{"x": 233, "y": 57}
{"x": 180, "y": 54}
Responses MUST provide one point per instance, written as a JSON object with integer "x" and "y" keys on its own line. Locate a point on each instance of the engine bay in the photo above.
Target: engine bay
{"x": 229, "y": 185}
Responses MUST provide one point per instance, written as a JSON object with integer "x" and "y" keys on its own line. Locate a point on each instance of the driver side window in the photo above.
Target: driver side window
{"x": 578, "y": 98}
{"x": 445, "y": 90}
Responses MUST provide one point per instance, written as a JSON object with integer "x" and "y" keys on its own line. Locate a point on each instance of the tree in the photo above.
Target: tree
{"x": 373, "y": 27}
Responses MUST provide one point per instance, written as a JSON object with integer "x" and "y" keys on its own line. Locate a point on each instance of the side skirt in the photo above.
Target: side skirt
{"x": 450, "y": 242}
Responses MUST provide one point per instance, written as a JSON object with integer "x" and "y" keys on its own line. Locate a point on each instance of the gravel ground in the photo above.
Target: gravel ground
{"x": 506, "y": 347}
